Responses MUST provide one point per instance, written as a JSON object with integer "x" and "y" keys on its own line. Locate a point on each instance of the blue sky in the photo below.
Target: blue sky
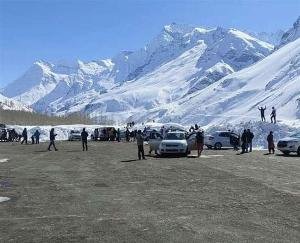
{"x": 88, "y": 29}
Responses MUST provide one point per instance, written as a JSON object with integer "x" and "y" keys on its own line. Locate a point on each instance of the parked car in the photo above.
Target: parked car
{"x": 74, "y": 135}
{"x": 174, "y": 142}
{"x": 290, "y": 144}
{"x": 219, "y": 139}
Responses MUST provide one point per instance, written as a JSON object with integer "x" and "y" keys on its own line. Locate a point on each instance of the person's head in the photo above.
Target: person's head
{"x": 52, "y": 129}
{"x": 245, "y": 130}
{"x": 273, "y": 108}
{"x": 139, "y": 131}
{"x": 248, "y": 130}
{"x": 271, "y": 133}
{"x": 83, "y": 129}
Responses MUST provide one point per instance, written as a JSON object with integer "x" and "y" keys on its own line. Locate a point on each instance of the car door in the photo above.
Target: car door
{"x": 224, "y": 139}
{"x": 154, "y": 140}
{"x": 191, "y": 141}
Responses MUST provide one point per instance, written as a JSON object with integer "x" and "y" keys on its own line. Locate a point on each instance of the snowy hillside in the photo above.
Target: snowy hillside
{"x": 273, "y": 81}
{"x": 10, "y": 104}
{"x": 179, "y": 61}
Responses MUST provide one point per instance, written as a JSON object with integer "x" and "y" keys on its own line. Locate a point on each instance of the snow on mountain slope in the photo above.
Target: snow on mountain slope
{"x": 273, "y": 81}
{"x": 292, "y": 34}
{"x": 10, "y": 104}
{"x": 188, "y": 58}
{"x": 274, "y": 37}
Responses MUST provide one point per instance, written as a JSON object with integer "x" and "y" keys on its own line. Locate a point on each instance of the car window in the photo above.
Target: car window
{"x": 175, "y": 136}
{"x": 224, "y": 134}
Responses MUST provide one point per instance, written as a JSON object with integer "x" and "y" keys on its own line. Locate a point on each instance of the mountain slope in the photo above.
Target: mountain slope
{"x": 188, "y": 58}
{"x": 292, "y": 34}
{"x": 273, "y": 81}
{"x": 10, "y": 104}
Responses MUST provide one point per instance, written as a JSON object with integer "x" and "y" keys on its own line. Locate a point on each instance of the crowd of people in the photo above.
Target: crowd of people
{"x": 131, "y": 134}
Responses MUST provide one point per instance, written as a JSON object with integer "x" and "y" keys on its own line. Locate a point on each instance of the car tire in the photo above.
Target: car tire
{"x": 298, "y": 151}
{"x": 286, "y": 152}
{"x": 218, "y": 146}
{"x": 209, "y": 147}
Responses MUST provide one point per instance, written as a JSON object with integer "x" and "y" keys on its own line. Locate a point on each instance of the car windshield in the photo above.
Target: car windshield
{"x": 175, "y": 136}
{"x": 296, "y": 135}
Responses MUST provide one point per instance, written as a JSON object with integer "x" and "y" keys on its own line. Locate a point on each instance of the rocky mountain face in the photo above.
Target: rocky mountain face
{"x": 291, "y": 35}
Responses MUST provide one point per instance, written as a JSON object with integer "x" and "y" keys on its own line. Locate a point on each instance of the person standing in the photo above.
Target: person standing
{"x": 84, "y": 136}
{"x": 199, "y": 141}
{"x": 273, "y": 115}
{"x": 250, "y": 137}
{"x": 127, "y": 135}
{"x": 118, "y": 135}
{"x": 140, "y": 144}
{"x": 244, "y": 142}
{"x": 262, "y": 113}
{"x": 271, "y": 145}
{"x": 32, "y": 139}
{"x": 25, "y": 136}
{"x": 52, "y": 140}
{"x": 37, "y": 136}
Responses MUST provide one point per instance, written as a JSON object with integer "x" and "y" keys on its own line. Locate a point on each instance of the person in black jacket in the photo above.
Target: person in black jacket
{"x": 37, "y": 136}
{"x": 84, "y": 136}
{"x": 250, "y": 137}
{"x": 262, "y": 113}
{"x": 199, "y": 141}
{"x": 25, "y": 136}
{"x": 271, "y": 146}
{"x": 273, "y": 115}
{"x": 244, "y": 140}
{"x": 52, "y": 139}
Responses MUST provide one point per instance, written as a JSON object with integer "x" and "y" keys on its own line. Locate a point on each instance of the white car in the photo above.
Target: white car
{"x": 74, "y": 135}
{"x": 219, "y": 139}
{"x": 290, "y": 144}
{"x": 174, "y": 143}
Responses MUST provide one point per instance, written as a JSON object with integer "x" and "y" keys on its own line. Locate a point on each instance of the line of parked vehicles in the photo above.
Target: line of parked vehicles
{"x": 174, "y": 141}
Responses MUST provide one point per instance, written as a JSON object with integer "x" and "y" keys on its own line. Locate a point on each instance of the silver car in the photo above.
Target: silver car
{"x": 219, "y": 140}
{"x": 290, "y": 144}
{"x": 74, "y": 135}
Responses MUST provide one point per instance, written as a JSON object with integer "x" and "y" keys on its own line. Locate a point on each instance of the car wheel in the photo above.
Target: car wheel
{"x": 286, "y": 152}
{"x": 218, "y": 146}
{"x": 209, "y": 147}
{"x": 298, "y": 151}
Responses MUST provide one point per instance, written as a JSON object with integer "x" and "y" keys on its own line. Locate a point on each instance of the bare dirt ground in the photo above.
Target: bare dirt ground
{"x": 106, "y": 195}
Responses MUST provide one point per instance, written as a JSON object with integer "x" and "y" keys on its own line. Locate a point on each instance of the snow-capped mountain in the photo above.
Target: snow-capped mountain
{"x": 10, "y": 104}
{"x": 181, "y": 60}
{"x": 292, "y": 34}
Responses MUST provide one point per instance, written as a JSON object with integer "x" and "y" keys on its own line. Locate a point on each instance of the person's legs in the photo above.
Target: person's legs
{"x": 49, "y": 147}
{"x": 139, "y": 152}
{"x": 250, "y": 145}
{"x": 86, "y": 146}
{"x": 142, "y": 150}
{"x": 82, "y": 143}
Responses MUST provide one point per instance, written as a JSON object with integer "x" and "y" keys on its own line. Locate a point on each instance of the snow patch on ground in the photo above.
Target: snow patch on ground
{"x": 4, "y": 199}
{"x": 3, "y": 160}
